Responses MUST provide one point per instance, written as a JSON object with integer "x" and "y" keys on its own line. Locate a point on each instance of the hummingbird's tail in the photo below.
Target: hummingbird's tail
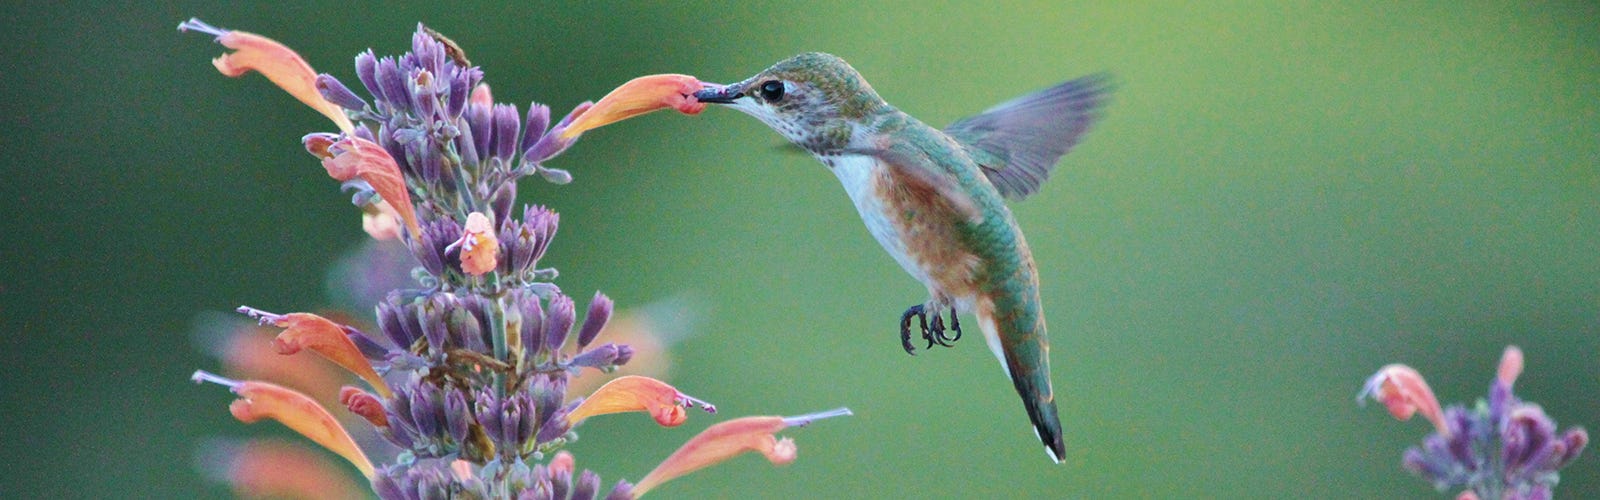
{"x": 1019, "y": 341}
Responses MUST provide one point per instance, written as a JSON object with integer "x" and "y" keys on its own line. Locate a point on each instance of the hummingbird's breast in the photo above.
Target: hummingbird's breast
{"x": 913, "y": 223}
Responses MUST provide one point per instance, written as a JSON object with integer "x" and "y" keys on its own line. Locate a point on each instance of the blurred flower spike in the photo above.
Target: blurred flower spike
{"x": 473, "y": 352}
{"x": 1501, "y": 448}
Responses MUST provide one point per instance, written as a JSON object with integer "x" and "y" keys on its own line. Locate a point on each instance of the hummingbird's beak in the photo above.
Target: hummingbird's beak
{"x": 720, "y": 94}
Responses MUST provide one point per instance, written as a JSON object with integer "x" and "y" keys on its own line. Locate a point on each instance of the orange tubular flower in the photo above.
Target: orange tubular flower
{"x": 356, "y": 157}
{"x": 1403, "y": 391}
{"x": 726, "y": 440}
{"x": 480, "y": 247}
{"x": 324, "y": 337}
{"x": 637, "y": 393}
{"x": 278, "y": 63}
{"x": 639, "y": 96}
{"x": 298, "y": 412}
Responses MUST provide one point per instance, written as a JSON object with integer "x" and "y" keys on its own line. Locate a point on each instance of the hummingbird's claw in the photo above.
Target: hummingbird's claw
{"x": 905, "y": 327}
{"x": 932, "y": 332}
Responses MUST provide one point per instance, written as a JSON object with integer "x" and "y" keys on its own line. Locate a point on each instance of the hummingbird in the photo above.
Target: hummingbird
{"x": 935, "y": 199}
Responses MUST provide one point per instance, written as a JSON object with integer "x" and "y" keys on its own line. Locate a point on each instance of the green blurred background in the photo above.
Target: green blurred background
{"x": 1282, "y": 197}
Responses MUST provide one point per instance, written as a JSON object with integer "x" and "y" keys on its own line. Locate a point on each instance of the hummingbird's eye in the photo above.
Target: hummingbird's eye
{"x": 772, "y": 91}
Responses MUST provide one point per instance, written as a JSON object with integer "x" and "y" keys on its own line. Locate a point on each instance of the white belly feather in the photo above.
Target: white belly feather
{"x": 860, "y": 175}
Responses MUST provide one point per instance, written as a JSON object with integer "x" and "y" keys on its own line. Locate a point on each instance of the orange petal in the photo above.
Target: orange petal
{"x": 726, "y": 440}
{"x": 365, "y": 405}
{"x": 1510, "y": 365}
{"x": 272, "y": 469}
{"x": 636, "y": 393}
{"x": 248, "y": 352}
{"x": 381, "y": 221}
{"x": 278, "y": 63}
{"x": 480, "y": 248}
{"x": 1403, "y": 391}
{"x": 357, "y": 157}
{"x": 298, "y": 412}
{"x": 639, "y": 96}
{"x": 324, "y": 337}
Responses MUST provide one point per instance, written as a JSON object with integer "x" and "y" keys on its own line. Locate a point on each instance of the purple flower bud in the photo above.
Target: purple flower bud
{"x": 602, "y": 357}
{"x": 505, "y": 132}
{"x": 624, "y": 354}
{"x": 437, "y": 235}
{"x": 480, "y": 119}
{"x": 467, "y": 146}
{"x": 423, "y": 98}
{"x": 394, "y": 86}
{"x": 558, "y": 322}
{"x": 622, "y": 491}
{"x": 367, "y": 71}
{"x": 461, "y": 83}
{"x": 537, "y": 122}
{"x": 335, "y": 92}
{"x": 429, "y": 52}
{"x": 457, "y": 414}
{"x": 555, "y": 426}
{"x": 490, "y": 414}
{"x": 599, "y": 313}
{"x": 560, "y": 484}
{"x": 392, "y": 324}
{"x": 431, "y": 165}
{"x": 587, "y": 487}
{"x": 551, "y": 144}
{"x": 1575, "y": 440}
{"x": 548, "y": 393}
{"x": 512, "y": 411}
{"x": 531, "y": 330}
{"x": 385, "y": 485}
{"x": 427, "y": 408}
{"x": 465, "y": 330}
{"x": 525, "y": 420}
{"x": 402, "y": 428}
{"x": 435, "y": 313}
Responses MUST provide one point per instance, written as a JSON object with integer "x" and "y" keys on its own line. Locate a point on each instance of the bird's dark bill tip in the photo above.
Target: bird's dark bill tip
{"x": 718, "y": 94}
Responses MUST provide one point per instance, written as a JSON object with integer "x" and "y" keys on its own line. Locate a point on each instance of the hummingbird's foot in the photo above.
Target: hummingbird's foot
{"x": 905, "y": 327}
{"x": 933, "y": 331}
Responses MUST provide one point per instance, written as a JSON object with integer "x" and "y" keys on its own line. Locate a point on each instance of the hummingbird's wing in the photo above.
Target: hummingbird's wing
{"x": 1019, "y": 141}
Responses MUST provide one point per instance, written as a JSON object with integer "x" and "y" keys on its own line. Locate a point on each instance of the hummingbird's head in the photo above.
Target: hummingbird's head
{"x": 815, "y": 100}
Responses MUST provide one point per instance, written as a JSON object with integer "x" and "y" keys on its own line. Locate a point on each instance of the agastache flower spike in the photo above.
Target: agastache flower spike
{"x": 1502, "y": 448}
{"x": 298, "y": 412}
{"x": 726, "y": 440}
{"x": 638, "y": 393}
{"x": 273, "y": 60}
{"x": 272, "y": 469}
{"x": 324, "y": 337}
